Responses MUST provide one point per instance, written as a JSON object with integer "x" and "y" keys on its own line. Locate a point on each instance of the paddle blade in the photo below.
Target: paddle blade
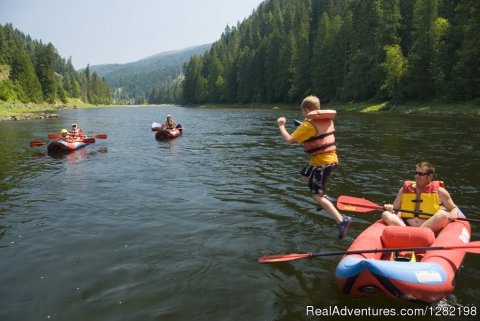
{"x": 101, "y": 136}
{"x": 296, "y": 122}
{"x": 156, "y": 126}
{"x": 37, "y": 143}
{"x": 355, "y": 204}
{"x": 283, "y": 257}
{"x": 54, "y": 136}
{"x": 89, "y": 140}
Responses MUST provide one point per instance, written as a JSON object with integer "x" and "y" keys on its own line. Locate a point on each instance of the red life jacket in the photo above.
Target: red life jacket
{"x": 324, "y": 141}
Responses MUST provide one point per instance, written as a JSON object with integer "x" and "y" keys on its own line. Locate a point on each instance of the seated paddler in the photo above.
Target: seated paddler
{"x": 424, "y": 202}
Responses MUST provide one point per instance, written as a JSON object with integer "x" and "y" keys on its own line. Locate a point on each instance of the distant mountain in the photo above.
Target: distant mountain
{"x": 141, "y": 81}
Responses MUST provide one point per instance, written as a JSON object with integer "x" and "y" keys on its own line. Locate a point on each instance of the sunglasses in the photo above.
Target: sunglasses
{"x": 422, "y": 173}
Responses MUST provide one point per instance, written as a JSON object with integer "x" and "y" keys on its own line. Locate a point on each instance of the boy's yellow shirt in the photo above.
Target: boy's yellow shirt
{"x": 307, "y": 130}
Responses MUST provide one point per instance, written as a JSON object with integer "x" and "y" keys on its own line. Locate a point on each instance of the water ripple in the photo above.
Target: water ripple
{"x": 140, "y": 229}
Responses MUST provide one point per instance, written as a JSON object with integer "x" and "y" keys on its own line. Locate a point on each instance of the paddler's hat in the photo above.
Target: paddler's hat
{"x": 64, "y": 132}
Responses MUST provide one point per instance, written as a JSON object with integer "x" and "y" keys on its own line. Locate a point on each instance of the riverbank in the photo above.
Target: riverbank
{"x": 21, "y": 111}
{"x": 464, "y": 109}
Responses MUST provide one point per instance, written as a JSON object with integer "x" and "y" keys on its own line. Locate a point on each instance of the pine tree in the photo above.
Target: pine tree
{"x": 299, "y": 79}
{"x": 465, "y": 82}
{"x": 23, "y": 72}
{"x": 395, "y": 68}
{"x": 44, "y": 66}
{"x": 421, "y": 52}
{"x": 363, "y": 78}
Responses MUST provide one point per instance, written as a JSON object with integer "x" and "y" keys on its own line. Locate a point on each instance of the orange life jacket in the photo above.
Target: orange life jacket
{"x": 324, "y": 141}
{"x": 76, "y": 134}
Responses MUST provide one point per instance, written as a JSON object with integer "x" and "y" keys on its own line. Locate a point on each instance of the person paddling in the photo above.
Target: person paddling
{"x": 422, "y": 195}
{"x": 170, "y": 123}
{"x": 316, "y": 135}
{"x": 76, "y": 132}
{"x": 65, "y": 136}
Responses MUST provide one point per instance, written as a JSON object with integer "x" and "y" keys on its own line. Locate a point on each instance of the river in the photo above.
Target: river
{"x": 131, "y": 228}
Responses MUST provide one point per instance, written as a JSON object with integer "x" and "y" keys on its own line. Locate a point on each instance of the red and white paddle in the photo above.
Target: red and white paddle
{"x": 361, "y": 205}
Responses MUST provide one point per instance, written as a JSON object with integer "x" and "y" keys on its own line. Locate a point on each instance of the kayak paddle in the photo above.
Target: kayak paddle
{"x": 89, "y": 140}
{"x": 37, "y": 143}
{"x": 59, "y": 136}
{"x": 54, "y": 136}
{"x": 361, "y": 205}
{"x": 472, "y": 247}
{"x": 296, "y": 122}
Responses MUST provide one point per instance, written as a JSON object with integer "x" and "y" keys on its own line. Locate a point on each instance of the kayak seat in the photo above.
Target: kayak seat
{"x": 401, "y": 236}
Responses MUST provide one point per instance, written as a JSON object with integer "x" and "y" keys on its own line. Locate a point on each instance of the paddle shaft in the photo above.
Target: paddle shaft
{"x": 37, "y": 143}
{"x": 380, "y": 208}
{"x": 398, "y": 249}
{"x": 430, "y": 214}
{"x": 351, "y": 203}
{"x": 58, "y": 136}
{"x": 472, "y": 247}
{"x": 89, "y": 140}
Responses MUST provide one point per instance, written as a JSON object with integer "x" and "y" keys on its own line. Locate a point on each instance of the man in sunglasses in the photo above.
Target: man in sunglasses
{"x": 424, "y": 195}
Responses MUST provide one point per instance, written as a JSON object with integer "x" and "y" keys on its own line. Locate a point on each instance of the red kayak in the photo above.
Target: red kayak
{"x": 63, "y": 146}
{"x": 165, "y": 133}
{"x": 421, "y": 276}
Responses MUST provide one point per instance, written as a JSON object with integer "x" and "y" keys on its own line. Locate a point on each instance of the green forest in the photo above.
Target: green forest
{"x": 343, "y": 51}
{"x": 33, "y": 72}
{"x": 154, "y": 80}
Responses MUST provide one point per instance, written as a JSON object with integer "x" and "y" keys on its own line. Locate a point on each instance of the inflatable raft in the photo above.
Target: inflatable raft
{"x": 422, "y": 277}
{"x": 60, "y": 146}
{"x": 164, "y": 133}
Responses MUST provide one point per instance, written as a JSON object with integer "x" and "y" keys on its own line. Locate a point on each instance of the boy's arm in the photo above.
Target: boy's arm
{"x": 283, "y": 131}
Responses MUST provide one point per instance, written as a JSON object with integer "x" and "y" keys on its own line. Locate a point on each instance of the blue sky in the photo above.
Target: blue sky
{"x": 119, "y": 31}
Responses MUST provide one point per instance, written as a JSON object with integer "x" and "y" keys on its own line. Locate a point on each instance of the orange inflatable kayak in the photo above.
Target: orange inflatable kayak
{"x": 63, "y": 146}
{"x": 165, "y": 133}
{"x": 422, "y": 277}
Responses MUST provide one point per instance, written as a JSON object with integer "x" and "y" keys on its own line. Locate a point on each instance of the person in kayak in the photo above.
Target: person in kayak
{"x": 65, "y": 136}
{"x": 170, "y": 123}
{"x": 316, "y": 133}
{"x": 422, "y": 195}
{"x": 76, "y": 132}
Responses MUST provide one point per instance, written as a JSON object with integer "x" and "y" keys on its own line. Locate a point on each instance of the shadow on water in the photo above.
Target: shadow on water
{"x": 77, "y": 155}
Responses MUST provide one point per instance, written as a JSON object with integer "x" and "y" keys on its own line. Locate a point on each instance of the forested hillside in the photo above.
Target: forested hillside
{"x": 31, "y": 71}
{"x": 343, "y": 50}
{"x": 155, "y": 79}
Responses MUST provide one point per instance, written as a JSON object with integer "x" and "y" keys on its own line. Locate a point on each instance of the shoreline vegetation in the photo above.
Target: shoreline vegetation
{"x": 23, "y": 111}
{"x": 462, "y": 109}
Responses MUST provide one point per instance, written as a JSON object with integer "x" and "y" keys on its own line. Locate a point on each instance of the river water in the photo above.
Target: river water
{"x": 132, "y": 228}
